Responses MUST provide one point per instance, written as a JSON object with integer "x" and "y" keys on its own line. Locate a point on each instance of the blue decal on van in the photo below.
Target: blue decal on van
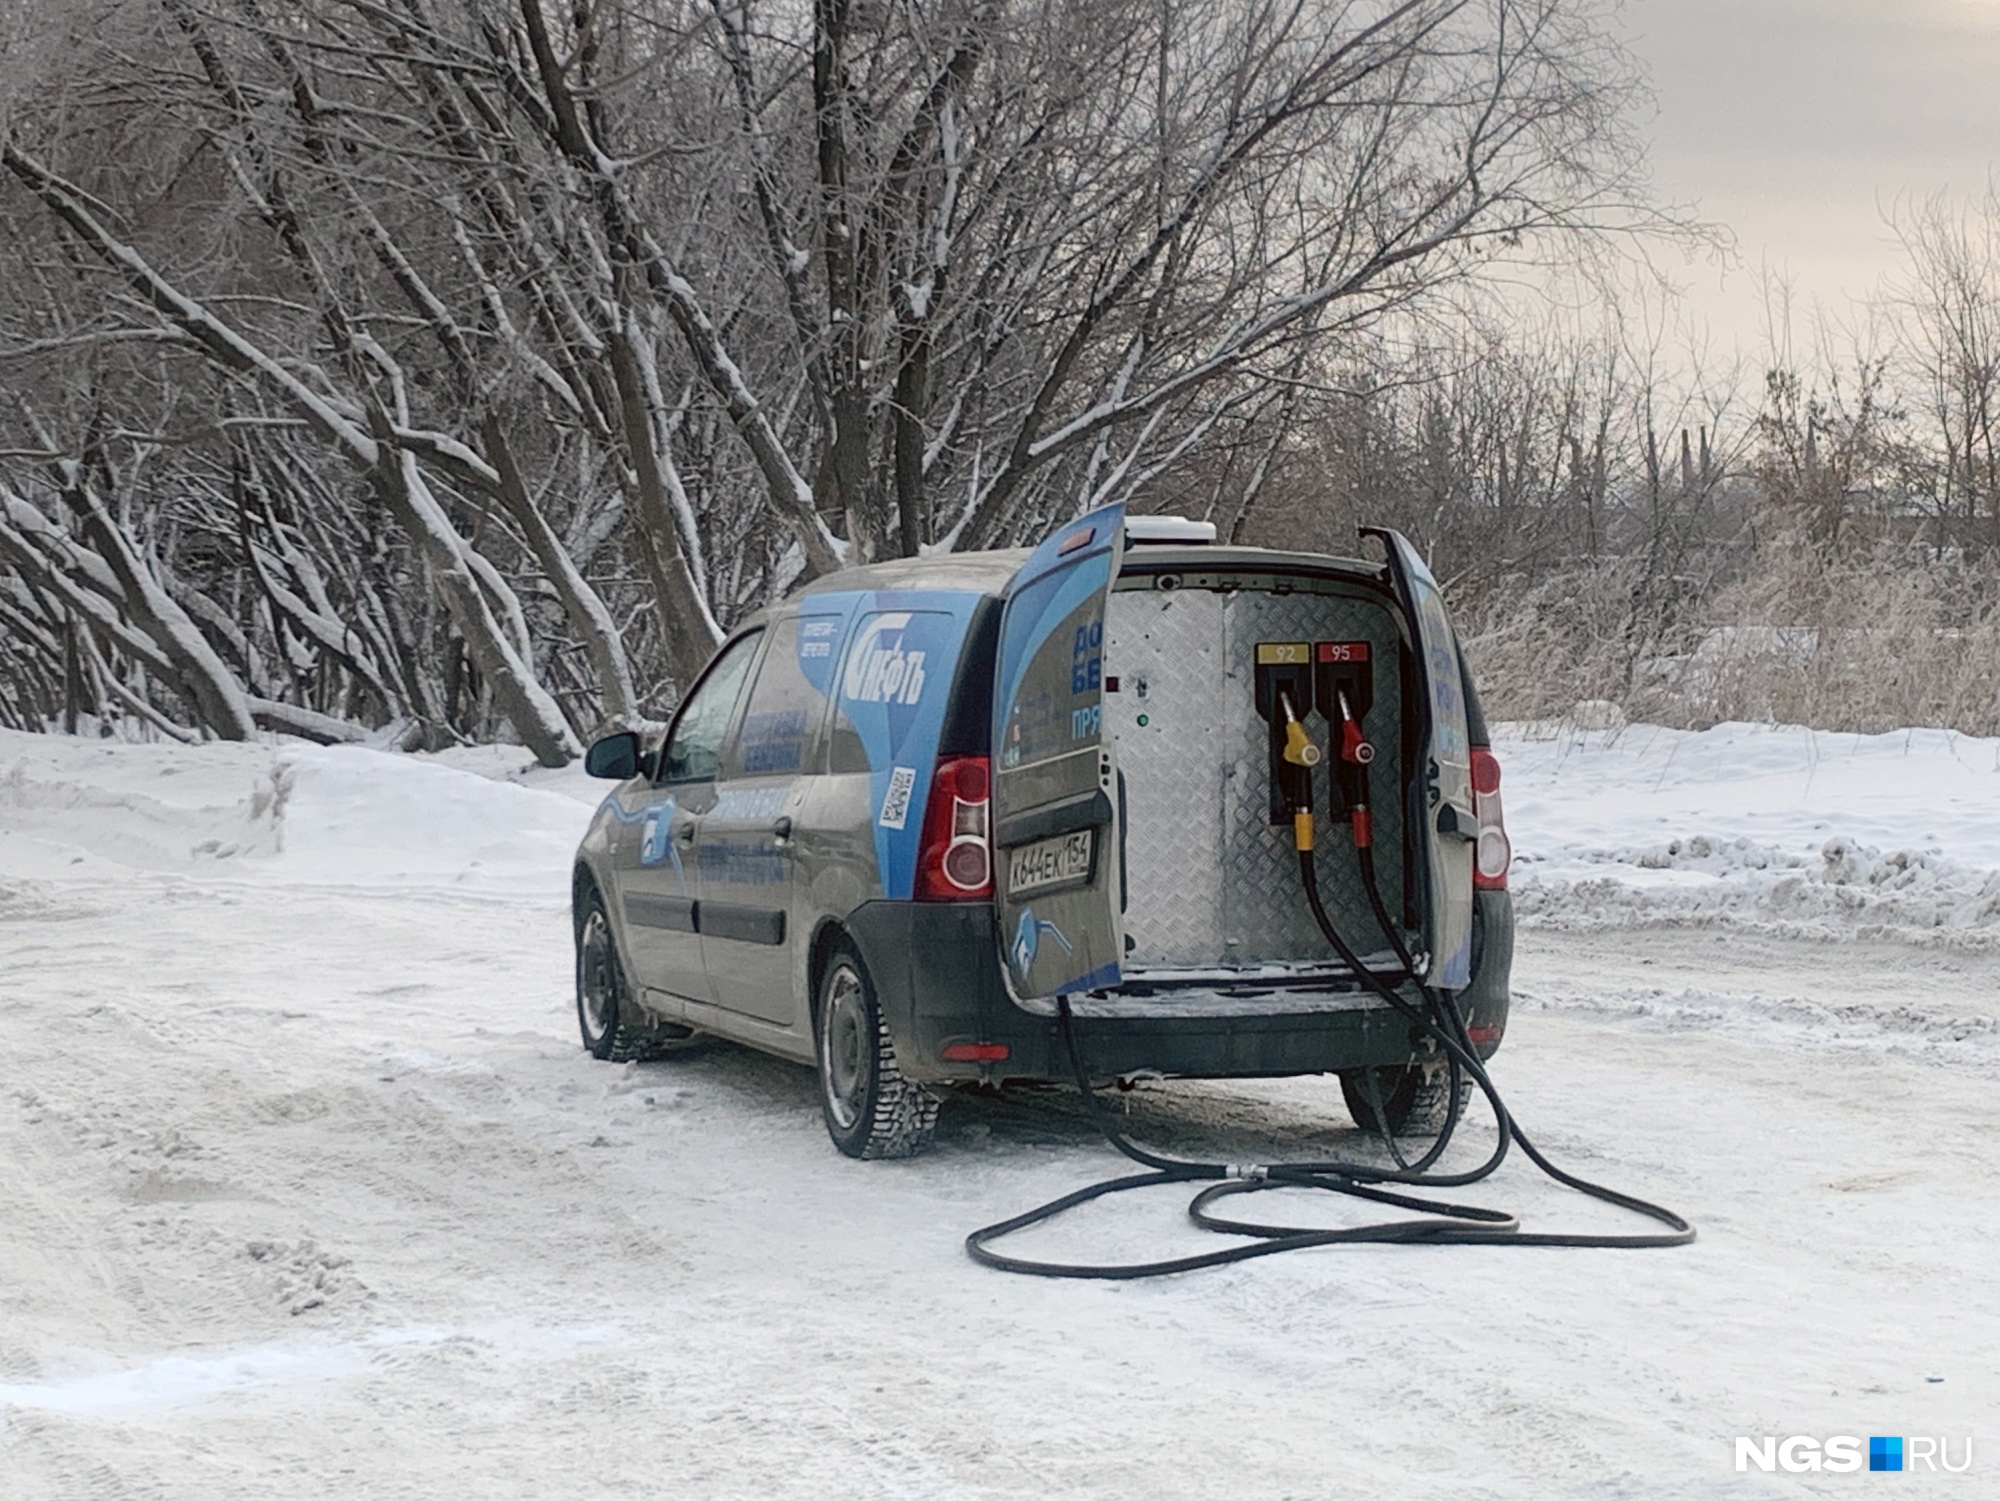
{"x": 749, "y": 802}
{"x": 1041, "y": 608}
{"x": 774, "y": 743}
{"x": 1069, "y": 567}
{"x": 745, "y": 862}
{"x": 656, "y": 842}
{"x": 1028, "y": 940}
{"x": 1104, "y": 975}
{"x": 822, "y": 626}
{"x": 894, "y": 678}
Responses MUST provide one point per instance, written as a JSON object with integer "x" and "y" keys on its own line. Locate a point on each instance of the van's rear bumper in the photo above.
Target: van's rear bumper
{"x": 936, "y": 969}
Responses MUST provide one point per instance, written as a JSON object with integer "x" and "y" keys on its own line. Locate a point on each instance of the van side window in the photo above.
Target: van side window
{"x": 780, "y": 732}
{"x": 845, "y": 752}
{"x": 694, "y": 749}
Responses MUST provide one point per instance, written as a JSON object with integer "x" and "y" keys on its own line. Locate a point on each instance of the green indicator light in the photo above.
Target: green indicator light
{"x": 1143, "y": 721}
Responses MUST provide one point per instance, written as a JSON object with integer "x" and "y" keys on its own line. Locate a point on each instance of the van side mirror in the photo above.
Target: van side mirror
{"x": 615, "y": 757}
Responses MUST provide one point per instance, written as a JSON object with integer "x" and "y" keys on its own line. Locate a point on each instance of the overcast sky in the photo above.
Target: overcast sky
{"x": 1796, "y": 122}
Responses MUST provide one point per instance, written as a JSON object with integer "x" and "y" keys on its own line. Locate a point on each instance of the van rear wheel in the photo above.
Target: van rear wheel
{"x": 1401, "y": 1100}
{"x": 871, "y": 1110}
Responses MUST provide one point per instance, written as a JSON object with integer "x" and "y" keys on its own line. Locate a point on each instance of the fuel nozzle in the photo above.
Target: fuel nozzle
{"x": 1303, "y": 754}
{"x": 1350, "y": 773}
{"x": 1299, "y": 749}
{"x": 1355, "y": 748}
{"x": 1346, "y": 684}
{"x": 1284, "y": 686}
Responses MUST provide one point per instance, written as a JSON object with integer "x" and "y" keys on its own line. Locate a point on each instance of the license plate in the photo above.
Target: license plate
{"x": 1050, "y": 862}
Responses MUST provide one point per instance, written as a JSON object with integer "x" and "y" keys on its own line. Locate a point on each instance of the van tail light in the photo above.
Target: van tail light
{"x": 955, "y": 855}
{"x": 1492, "y": 854}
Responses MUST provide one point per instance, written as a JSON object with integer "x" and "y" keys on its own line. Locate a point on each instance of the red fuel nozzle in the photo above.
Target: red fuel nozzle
{"x": 1354, "y": 746}
{"x": 1352, "y": 774}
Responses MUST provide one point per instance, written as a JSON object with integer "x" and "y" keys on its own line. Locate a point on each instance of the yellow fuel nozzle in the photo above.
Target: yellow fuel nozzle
{"x": 1299, "y": 750}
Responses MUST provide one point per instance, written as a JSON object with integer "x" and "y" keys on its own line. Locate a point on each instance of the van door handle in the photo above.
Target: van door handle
{"x": 782, "y": 829}
{"x": 684, "y": 834}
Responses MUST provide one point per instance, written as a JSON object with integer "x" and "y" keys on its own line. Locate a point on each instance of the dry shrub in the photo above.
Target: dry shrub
{"x": 1537, "y": 649}
{"x": 1868, "y": 642}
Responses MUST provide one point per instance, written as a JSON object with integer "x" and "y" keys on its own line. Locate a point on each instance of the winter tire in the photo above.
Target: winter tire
{"x": 612, "y": 1024}
{"x": 1414, "y": 1098}
{"x": 871, "y": 1110}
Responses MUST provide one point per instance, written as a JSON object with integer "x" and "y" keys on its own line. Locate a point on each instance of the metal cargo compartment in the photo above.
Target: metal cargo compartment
{"x": 1212, "y": 885}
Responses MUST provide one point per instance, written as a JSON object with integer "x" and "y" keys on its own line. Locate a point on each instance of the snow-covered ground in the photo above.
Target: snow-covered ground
{"x": 1773, "y": 829}
{"x": 308, "y": 1190}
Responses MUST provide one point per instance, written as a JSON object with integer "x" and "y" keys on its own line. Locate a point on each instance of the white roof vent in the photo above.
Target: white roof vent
{"x": 1170, "y": 529}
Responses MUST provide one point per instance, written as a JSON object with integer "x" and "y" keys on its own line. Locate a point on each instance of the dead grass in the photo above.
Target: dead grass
{"x": 1867, "y": 643}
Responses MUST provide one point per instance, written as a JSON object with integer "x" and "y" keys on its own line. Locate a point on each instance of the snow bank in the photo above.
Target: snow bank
{"x": 371, "y": 819}
{"x": 1786, "y": 830}
{"x": 481, "y": 822}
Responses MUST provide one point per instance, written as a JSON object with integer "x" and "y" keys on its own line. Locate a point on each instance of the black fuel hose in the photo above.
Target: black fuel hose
{"x": 1444, "y": 1223}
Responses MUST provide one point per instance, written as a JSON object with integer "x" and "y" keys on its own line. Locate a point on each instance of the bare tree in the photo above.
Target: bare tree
{"x": 625, "y": 314}
{"x": 1947, "y": 313}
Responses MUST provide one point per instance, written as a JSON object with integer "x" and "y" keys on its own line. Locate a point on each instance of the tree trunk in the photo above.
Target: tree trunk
{"x": 687, "y": 628}
{"x": 586, "y": 610}
{"x": 527, "y": 705}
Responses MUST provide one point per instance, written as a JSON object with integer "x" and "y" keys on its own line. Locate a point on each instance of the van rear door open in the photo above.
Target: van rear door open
{"x": 1054, "y": 784}
{"x": 1443, "y": 823}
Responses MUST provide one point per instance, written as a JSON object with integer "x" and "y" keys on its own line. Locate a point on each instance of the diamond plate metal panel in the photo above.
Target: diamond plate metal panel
{"x": 1210, "y": 882}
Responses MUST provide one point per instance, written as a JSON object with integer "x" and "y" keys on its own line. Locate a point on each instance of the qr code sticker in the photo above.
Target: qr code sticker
{"x": 896, "y": 802}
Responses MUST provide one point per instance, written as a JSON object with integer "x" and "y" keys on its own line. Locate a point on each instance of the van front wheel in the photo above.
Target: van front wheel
{"x": 871, "y": 1110}
{"x": 612, "y": 1025}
